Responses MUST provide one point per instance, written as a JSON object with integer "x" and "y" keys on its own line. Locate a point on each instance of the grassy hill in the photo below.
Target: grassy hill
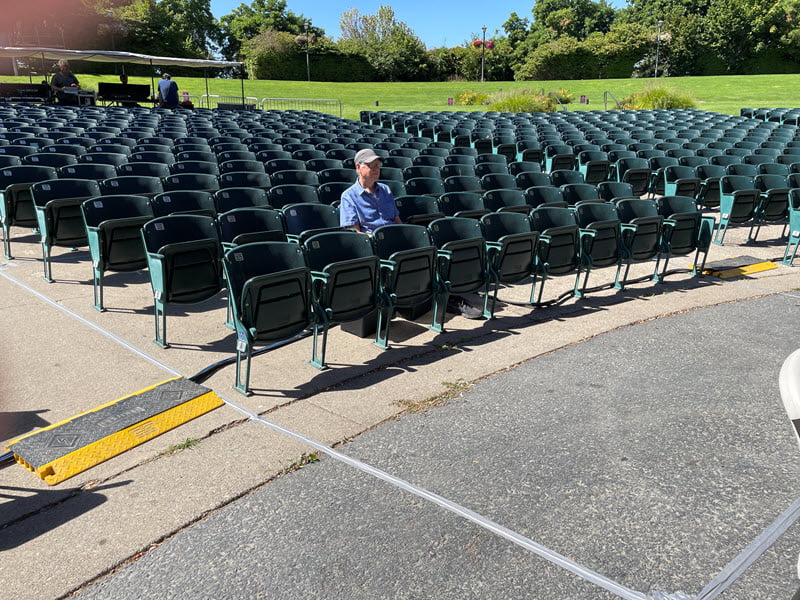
{"x": 720, "y": 94}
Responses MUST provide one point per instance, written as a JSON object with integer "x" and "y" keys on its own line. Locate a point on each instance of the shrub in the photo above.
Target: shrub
{"x": 471, "y": 97}
{"x": 564, "y": 95}
{"x": 521, "y": 101}
{"x": 656, "y": 97}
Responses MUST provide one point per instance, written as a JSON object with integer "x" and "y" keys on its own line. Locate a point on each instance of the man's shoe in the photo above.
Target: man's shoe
{"x": 458, "y": 305}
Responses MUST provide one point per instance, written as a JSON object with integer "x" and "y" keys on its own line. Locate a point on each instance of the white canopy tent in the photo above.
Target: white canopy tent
{"x": 111, "y": 56}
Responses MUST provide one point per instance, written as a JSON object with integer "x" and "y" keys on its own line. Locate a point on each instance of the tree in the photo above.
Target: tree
{"x": 734, "y": 29}
{"x": 194, "y": 20}
{"x": 576, "y": 18}
{"x": 169, "y": 28}
{"x": 247, "y": 21}
{"x": 389, "y": 45}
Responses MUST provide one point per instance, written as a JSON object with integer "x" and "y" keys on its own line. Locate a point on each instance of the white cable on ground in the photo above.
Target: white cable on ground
{"x": 747, "y": 556}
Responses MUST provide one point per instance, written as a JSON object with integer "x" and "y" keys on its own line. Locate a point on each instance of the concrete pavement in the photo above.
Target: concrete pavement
{"x": 55, "y": 540}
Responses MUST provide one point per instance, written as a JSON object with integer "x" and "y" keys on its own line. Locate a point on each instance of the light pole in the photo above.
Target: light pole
{"x": 483, "y": 52}
{"x": 308, "y": 41}
{"x": 658, "y": 44}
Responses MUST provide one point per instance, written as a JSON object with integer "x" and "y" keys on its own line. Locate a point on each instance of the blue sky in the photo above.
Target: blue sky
{"x": 435, "y": 22}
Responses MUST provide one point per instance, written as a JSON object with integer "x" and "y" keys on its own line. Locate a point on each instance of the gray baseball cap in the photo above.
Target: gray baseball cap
{"x": 365, "y": 156}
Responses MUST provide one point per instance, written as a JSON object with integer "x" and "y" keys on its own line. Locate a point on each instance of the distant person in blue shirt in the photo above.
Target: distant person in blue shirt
{"x": 167, "y": 92}
{"x": 367, "y": 204}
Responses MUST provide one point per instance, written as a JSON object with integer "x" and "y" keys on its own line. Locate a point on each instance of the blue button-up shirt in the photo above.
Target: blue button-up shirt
{"x": 369, "y": 211}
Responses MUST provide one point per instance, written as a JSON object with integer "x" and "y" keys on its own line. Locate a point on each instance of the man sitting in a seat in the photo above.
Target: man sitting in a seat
{"x": 65, "y": 84}
{"x": 369, "y": 204}
{"x": 167, "y": 92}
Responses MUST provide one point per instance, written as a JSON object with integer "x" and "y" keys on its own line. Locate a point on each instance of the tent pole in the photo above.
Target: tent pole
{"x": 44, "y": 69}
{"x": 208, "y": 97}
{"x": 242, "y": 67}
{"x": 152, "y": 81}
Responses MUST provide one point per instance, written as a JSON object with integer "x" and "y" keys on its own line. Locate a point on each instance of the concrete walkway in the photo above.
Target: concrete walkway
{"x": 630, "y": 520}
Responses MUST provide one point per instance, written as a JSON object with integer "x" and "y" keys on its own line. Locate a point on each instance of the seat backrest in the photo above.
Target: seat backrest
{"x": 191, "y": 181}
{"x": 281, "y": 195}
{"x": 176, "y": 229}
{"x": 545, "y": 217}
{"x": 309, "y": 215}
{"x": 495, "y": 225}
{"x": 419, "y": 186}
{"x": 710, "y": 171}
{"x": 557, "y": 149}
{"x": 232, "y": 165}
{"x": 494, "y": 181}
{"x": 244, "y": 179}
{"x": 672, "y": 205}
{"x": 732, "y": 183}
{"x": 626, "y": 164}
{"x": 773, "y": 168}
{"x": 592, "y": 156}
{"x": 295, "y": 177}
{"x": 152, "y": 156}
{"x": 692, "y": 161}
{"x": 396, "y": 238}
{"x": 587, "y": 213}
{"x": 543, "y": 194}
{"x": 745, "y": 169}
{"x": 105, "y": 208}
{"x": 106, "y": 158}
{"x": 147, "y": 169}
{"x": 9, "y": 160}
{"x": 629, "y": 209}
{"x": 561, "y": 177}
{"x": 131, "y": 184}
{"x": 239, "y": 197}
{"x": 462, "y": 183}
{"x": 451, "y": 203}
{"x": 17, "y": 150}
{"x": 766, "y": 182}
{"x": 56, "y": 189}
{"x": 25, "y": 174}
{"x": 250, "y": 263}
{"x": 521, "y": 166}
{"x": 331, "y": 192}
{"x": 675, "y": 172}
{"x": 50, "y": 159}
{"x": 227, "y": 155}
{"x": 725, "y": 159}
{"x": 486, "y": 168}
{"x": 245, "y": 225}
{"x": 450, "y": 229}
{"x": 283, "y": 164}
{"x": 505, "y": 198}
{"x": 332, "y": 247}
{"x": 661, "y": 162}
{"x": 206, "y": 155}
{"x": 419, "y": 171}
{"x": 580, "y": 192}
{"x": 338, "y": 174}
{"x": 183, "y": 201}
{"x": 320, "y": 164}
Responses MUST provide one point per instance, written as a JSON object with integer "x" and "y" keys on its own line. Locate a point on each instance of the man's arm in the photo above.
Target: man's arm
{"x": 348, "y": 217}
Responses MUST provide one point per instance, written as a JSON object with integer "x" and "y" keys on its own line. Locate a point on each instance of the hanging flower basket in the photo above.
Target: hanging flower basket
{"x": 489, "y": 44}
{"x": 477, "y": 43}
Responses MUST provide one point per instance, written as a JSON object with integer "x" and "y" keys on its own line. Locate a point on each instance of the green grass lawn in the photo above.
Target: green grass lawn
{"x": 720, "y": 94}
